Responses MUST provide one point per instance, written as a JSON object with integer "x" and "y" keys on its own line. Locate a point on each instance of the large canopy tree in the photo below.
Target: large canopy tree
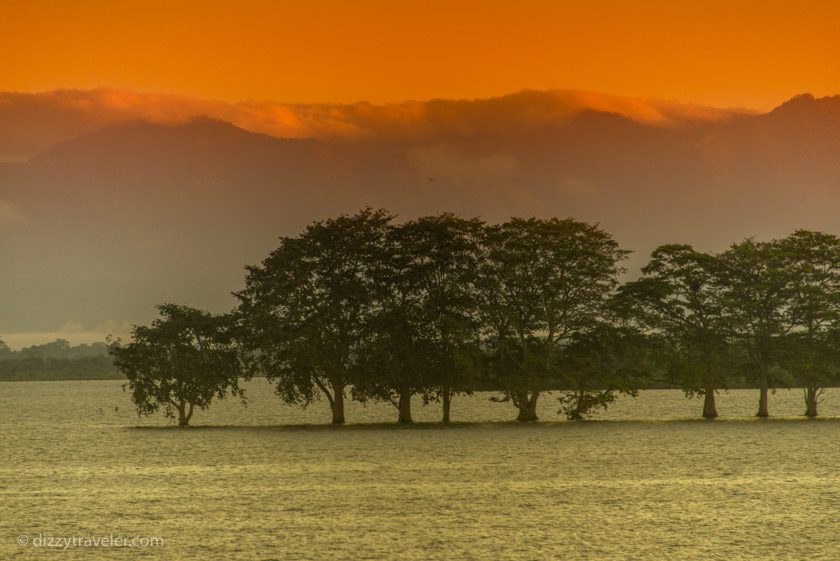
{"x": 754, "y": 285}
{"x": 396, "y": 360}
{"x": 305, "y": 312}
{"x": 540, "y": 283}
{"x": 443, "y": 254}
{"x": 677, "y": 301}
{"x": 810, "y": 352}
{"x": 424, "y": 335}
{"x": 184, "y": 360}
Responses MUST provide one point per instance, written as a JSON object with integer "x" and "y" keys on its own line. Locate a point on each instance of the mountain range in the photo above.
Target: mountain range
{"x": 111, "y": 202}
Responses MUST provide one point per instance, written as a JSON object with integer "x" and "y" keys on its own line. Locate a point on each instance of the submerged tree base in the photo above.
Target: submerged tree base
{"x": 763, "y": 411}
{"x": 709, "y": 406}
{"x": 527, "y": 407}
{"x": 404, "y": 407}
{"x": 811, "y": 401}
{"x": 337, "y": 413}
{"x": 447, "y": 405}
{"x": 528, "y": 411}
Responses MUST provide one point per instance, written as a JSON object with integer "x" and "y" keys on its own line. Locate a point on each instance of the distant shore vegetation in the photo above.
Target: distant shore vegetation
{"x": 57, "y": 360}
{"x": 361, "y": 307}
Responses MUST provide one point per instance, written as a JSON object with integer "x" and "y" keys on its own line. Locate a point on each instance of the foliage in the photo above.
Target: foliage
{"x": 443, "y": 305}
{"x": 424, "y": 337}
{"x": 809, "y": 351}
{"x": 57, "y": 360}
{"x": 184, "y": 360}
{"x": 599, "y": 365}
{"x": 754, "y": 285}
{"x": 541, "y": 282}
{"x": 678, "y": 300}
{"x": 305, "y": 312}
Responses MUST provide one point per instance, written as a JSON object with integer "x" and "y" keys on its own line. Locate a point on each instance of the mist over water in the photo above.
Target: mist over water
{"x": 268, "y": 481}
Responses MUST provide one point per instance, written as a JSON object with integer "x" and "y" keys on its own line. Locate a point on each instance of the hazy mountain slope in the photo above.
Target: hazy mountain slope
{"x": 31, "y": 123}
{"x": 103, "y": 226}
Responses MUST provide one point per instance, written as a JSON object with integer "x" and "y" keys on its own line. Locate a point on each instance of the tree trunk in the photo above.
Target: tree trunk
{"x": 811, "y": 402}
{"x": 762, "y": 398}
{"x": 528, "y": 407}
{"x": 405, "y": 407}
{"x": 709, "y": 407}
{"x": 447, "y": 403}
{"x": 183, "y": 418}
{"x": 578, "y": 412}
{"x": 337, "y": 405}
{"x": 335, "y": 398}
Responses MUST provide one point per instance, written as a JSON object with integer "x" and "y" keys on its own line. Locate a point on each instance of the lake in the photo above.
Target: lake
{"x": 647, "y": 480}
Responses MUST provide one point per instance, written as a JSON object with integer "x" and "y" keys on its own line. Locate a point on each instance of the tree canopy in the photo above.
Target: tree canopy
{"x": 306, "y": 311}
{"x": 429, "y": 308}
{"x": 677, "y": 300}
{"x": 541, "y": 283}
{"x": 182, "y": 361}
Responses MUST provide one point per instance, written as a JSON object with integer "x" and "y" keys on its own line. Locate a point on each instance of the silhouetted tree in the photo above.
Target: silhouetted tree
{"x": 677, "y": 299}
{"x": 444, "y": 253}
{"x": 423, "y": 337}
{"x": 306, "y": 311}
{"x": 184, "y": 360}
{"x": 5, "y": 351}
{"x": 398, "y": 359}
{"x": 754, "y": 286}
{"x": 541, "y": 282}
{"x": 810, "y": 352}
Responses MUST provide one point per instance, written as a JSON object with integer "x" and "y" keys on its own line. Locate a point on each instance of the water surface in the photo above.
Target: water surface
{"x": 646, "y": 481}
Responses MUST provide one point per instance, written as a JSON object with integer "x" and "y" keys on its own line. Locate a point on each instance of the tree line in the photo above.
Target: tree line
{"x": 362, "y": 307}
{"x": 56, "y": 360}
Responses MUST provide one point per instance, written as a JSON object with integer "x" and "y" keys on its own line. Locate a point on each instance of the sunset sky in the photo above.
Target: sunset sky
{"x": 717, "y": 52}
{"x": 148, "y": 149}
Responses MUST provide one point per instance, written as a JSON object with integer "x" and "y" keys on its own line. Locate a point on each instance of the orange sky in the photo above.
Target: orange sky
{"x": 719, "y": 52}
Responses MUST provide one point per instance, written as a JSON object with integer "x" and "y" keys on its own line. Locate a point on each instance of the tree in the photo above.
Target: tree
{"x": 5, "y": 351}
{"x": 424, "y": 335}
{"x": 444, "y": 253}
{"x": 59, "y": 348}
{"x": 397, "y": 360}
{"x": 306, "y": 311}
{"x": 184, "y": 360}
{"x": 754, "y": 287}
{"x": 677, "y": 300}
{"x": 541, "y": 282}
{"x": 809, "y": 352}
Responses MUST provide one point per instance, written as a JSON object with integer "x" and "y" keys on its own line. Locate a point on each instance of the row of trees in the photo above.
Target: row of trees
{"x": 767, "y": 312}
{"x": 360, "y": 307}
{"x": 56, "y": 360}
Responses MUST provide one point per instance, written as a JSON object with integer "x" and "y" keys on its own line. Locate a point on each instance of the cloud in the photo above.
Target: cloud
{"x": 30, "y": 123}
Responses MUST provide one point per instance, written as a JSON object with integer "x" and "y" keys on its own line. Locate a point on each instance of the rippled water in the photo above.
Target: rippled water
{"x": 647, "y": 481}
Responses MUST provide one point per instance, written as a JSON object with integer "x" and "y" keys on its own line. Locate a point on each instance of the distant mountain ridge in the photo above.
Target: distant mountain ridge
{"x": 31, "y": 123}
{"x": 98, "y": 228}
